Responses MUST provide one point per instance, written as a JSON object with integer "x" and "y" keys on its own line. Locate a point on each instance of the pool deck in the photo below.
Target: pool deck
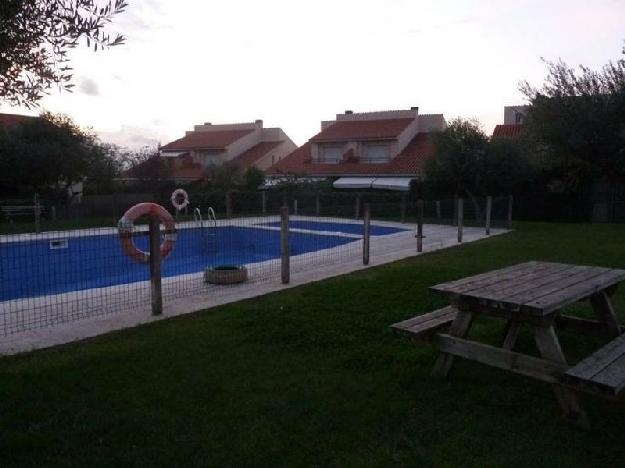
{"x": 305, "y": 269}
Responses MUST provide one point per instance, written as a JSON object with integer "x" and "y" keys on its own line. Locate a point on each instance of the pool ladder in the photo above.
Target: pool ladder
{"x": 208, "y": 235}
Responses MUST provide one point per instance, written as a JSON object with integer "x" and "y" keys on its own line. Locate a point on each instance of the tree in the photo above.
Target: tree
{"x": 456, "y": 166}
{"x": 465, "y": 163}
{"x": 506, "y": 166}
{"x": 52, "y": 152}
{"x": 35, "y": 37}
{"x": 146, "y": 165}
{"x": 254, "y": 178}
{"x": 576, "y": 121}
{"x": 226, "y": 176}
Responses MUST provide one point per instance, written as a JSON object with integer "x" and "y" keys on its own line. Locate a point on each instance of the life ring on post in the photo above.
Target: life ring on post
{"x": 180, "y": 199}
{"x": 126, "y": 226}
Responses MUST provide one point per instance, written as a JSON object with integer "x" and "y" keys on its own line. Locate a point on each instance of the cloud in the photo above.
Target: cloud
{"x": 133, "y": 137}
{"x": 89, "y": 87}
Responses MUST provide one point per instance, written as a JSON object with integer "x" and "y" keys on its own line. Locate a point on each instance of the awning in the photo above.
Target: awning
{"x": 401, "y": 184}
{"x": 173, "y": 154}
{"x": 353, "y": 182}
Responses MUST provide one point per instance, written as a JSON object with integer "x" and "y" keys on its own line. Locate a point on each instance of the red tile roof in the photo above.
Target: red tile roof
{"x": 206, "y": 140}
{"x": 249, "y": 157}
{"x": 343, "y": 130}
{"x": 409, "y": 162}
{"x": 8, "y": 120}
{"x": 508, "y": 131}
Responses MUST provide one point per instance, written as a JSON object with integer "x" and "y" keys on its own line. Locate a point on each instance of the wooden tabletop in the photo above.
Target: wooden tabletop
{"x": 539, "y": 288}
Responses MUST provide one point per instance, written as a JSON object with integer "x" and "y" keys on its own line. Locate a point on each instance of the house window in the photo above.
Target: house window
{"x": 376, "y": 153}
{"x": 330, "y": 154}
{"x": 519, "y": 118}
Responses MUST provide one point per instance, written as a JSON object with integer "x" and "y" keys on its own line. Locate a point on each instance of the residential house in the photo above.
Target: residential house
{"x": 247, "y": 144}
{"x": 514, "y": 118}
{"x": 385, "y": 150}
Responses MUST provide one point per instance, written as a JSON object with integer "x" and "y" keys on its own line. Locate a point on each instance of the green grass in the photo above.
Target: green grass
{"x": 311, "y": 377}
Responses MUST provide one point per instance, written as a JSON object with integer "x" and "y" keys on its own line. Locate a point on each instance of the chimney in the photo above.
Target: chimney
{"x": 207, "y": 123}
{"x": 415, "y": 108}
{"x": 349, "y": 112}
{"x": 259, "y": 123}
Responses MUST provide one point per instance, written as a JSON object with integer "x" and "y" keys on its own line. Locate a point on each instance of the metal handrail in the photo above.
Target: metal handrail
{"x": 211, "y": 216}
{"x": 197, "y": 217}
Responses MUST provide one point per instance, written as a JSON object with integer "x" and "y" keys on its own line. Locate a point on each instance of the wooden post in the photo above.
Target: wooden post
{"x": 489, "y": 205}
{"x": 460, "y": 217}
{"x": 403, "y": 207}
{"x": 284, "y": 245}
{"x": 510, "y": 201}
{"x": 228, "y": 204}
{"x": 263, "y": 201}
{"x": 419, "y": 225}
{"x": 317, "y": 206}
{"x": 438, "y": 210}
{"x": 295, "y": 207}
{"x": 366, "y": 240}
{"x": 155, "y": 266}
{"x": 37, "y": 212}
{"x": 357, "y": 208}
{"x": 454, "y": 218}
{"x": 53, "y": 213}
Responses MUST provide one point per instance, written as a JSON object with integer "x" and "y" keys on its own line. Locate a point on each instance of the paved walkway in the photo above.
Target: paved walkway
{"x": 384, "y": 249}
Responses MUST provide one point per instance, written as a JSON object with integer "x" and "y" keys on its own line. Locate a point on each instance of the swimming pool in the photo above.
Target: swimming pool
{"x": 40, "y": 267}
{"x": 345, "y": 228}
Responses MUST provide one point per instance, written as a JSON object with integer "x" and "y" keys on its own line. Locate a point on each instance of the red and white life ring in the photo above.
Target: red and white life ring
{"x": 126, "y": 225}
{"x": 176, "y": 196}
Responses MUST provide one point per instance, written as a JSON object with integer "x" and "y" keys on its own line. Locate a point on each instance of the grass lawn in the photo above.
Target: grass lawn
{"x": 311, "y": 377}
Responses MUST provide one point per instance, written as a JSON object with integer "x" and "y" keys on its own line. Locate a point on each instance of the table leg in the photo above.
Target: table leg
{"x": 602, "y": 307}
{"x": 459, "y": 327}
{"x": 549, "y": 346}
{"x": 511, "y": 332}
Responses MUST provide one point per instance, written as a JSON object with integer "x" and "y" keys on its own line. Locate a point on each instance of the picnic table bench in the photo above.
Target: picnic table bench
{"x": 532, "y": 294}
{"x": 19, "y": 210}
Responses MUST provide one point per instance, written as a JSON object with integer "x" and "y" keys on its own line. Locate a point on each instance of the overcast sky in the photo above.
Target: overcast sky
{"x": 295, "y": 63}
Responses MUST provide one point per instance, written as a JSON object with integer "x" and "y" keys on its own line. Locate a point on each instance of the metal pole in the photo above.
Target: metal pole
{"x": 295, "y": 207}
{"x": 438, "y": 209}
{"x": 317, "y": 206}
{"x": 366, "y": 240}
{"x": 37, "y": 212}
{"x": 489, "y": 205}
{"x": 285, "y": 268}
{"x": 510, "y": 201}
{"x": 403, "y": 207}
{"x": 264, "y": 202}
{"x": 419, "y": 225}
{"x": 228, "y": 205}
{"x": 357, "y": 207}
{"x": 155, "y": 266}
{"x": 460, "y": 218}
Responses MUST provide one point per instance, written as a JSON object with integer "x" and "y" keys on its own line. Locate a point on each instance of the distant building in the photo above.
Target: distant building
{"x": 386, "y": 149}
{"x": 514, "y": 117}
{"x": 247, "y": 144}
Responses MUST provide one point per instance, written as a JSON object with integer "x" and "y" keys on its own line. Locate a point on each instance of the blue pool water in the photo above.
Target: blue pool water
{"x": 346, "y": 228}
{"x": 31, "y": 268}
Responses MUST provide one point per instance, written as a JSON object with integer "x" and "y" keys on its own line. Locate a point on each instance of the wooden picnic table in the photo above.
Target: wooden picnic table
{"x": 532, "y": 294}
